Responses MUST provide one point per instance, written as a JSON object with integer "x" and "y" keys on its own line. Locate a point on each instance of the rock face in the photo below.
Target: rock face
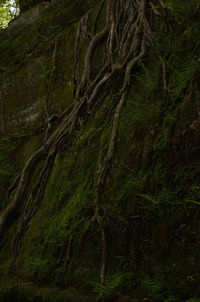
{"x": 101, "y": 103}
{"x": 26, "y": 18}
{"x": 27, "y": 4}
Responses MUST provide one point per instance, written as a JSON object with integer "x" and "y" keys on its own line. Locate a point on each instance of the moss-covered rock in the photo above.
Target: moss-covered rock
{"x": 150, "y": 201}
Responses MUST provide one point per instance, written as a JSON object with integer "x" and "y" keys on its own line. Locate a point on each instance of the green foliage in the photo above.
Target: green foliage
{"x": 192, "y": 196}
{"x": 5, "y": 44}
{"x": 8, "y": 10}
{"x": 9, "y": 144}
{"x": 163, "y": 138}
{"x": 114, "y": 285}
{"x": 144, "y": 206}
{"x": 151, "y": 287}
{"x": 127, "y": 187}
{"x": 183, "y": 10}
{"x": 181, "y": 74}
{"x": 149, "y": 76}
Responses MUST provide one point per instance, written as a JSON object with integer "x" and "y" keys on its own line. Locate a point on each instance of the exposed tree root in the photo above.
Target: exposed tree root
{"x": 67, "y": 258}
{"x": 139, "y": 42}
{"x": 103, "y": 260}
{"x": 46, "y": 109}
{"x": 25, "y": 176}
{"x": 164, "y": 73}
{"x": 164, "y": 6}
{"x": 126, "y": 37}
{"x": 1, "y": 112}
{"x": 33, "y": 203}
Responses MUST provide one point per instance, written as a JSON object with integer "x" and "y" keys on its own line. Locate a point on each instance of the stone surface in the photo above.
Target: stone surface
{"x": 25, "y": 19}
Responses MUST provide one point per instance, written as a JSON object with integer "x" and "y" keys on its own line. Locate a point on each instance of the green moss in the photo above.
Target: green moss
{"x": 151, "y": 198}
{"x": 27, "y": 292}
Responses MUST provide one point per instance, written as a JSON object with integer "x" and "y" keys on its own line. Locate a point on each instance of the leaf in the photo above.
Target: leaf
{"x": 135, "y": 216}
{"x": 149, "y": 198}
{"x": 193, "y": 201}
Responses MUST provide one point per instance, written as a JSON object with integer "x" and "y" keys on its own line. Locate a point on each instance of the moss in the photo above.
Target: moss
{"x": 27, "y": 292}
{"x": 151, "y": 199}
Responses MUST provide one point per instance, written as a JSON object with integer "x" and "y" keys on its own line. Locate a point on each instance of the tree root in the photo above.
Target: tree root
{"x": 103, "y": 260}
{"x": 46, "y": 110}
{"x": 1, "y": 111}
{"x": 127, "y": 37}
{"x": 33, "y": 204}
{"x": 107, "y": 162}
{"x": 67, "y": 258}
{"x": 164, "y": 73}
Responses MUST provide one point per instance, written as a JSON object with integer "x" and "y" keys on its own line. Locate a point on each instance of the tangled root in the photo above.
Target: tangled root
{"x": 126, "y": 37}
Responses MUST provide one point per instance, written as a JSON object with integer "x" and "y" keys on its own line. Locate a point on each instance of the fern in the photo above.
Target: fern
{"x": 180, "y": 78}
{"x": 112, "y": 284}
{"x": 149, "y": 198}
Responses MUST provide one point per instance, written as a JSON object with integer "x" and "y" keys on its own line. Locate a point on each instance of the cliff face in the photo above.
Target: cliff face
{"x": 99, "y": 151}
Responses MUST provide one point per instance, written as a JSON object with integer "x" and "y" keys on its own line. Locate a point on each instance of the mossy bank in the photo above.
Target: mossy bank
{"x": 117, "y": 210}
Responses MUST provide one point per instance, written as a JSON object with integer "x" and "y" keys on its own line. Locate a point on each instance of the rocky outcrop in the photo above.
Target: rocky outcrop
{"x": 26, "y": 19}
{"x": 25, "y": 5}
{"x": 99, "y": 151}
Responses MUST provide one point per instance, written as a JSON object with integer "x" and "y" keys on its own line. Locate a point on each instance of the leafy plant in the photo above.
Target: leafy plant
{"x": 153, "y": 287}
{"x": 113, "y": 285}
{"x": 8, "y": 10}
{"x": 171, "y": 299}
{"x": 5, "y": 44}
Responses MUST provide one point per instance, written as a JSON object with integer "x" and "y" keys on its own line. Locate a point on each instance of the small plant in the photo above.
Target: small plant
{"x": 112, "y": 285}
{"x": 171, "y": 299}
